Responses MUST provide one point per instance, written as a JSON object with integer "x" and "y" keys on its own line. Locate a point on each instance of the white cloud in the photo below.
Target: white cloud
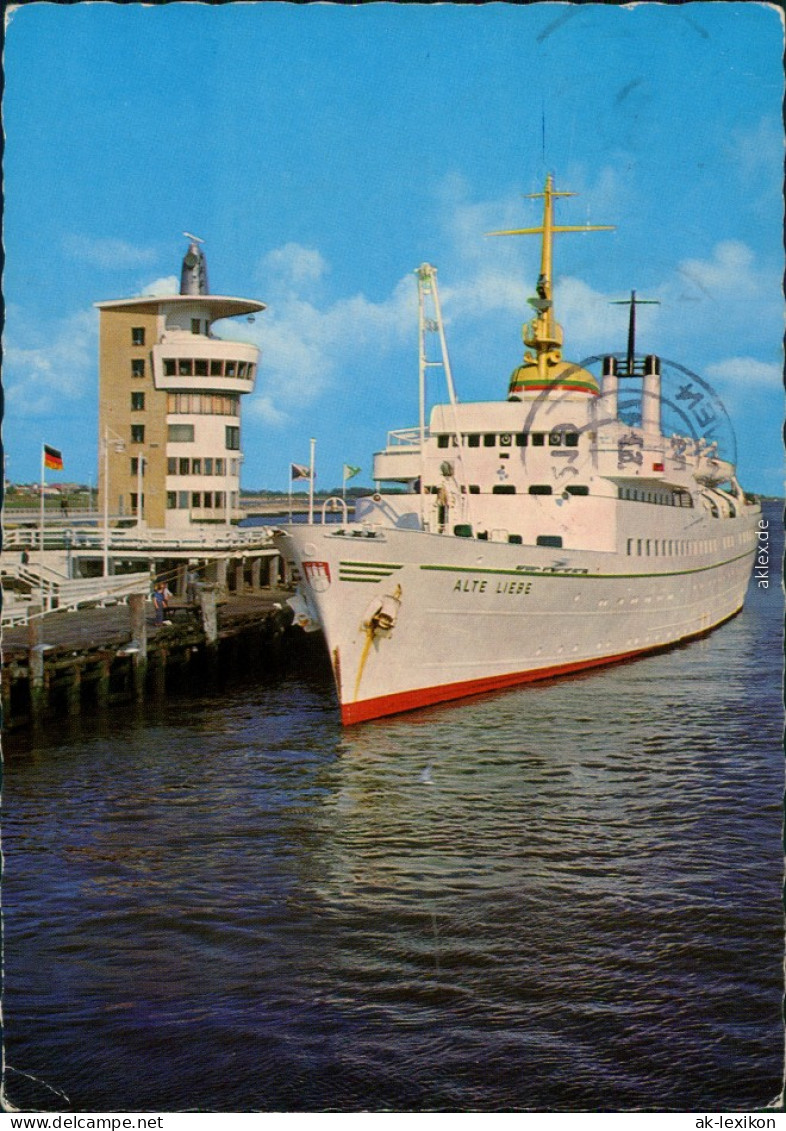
{"x": 730, "y": 273}
{"x": 292, "y": 265}
{"x": 746, "y": 371}
{"x": 168, "y": 285}
{"x": 107, "y": 253}
{"x": 37, "y": 377}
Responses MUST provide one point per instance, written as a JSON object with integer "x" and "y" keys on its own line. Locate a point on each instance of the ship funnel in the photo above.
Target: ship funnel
{"x": 193, "y": 276}
{"x": 610, "y": 387}
{"x": 650, "y": 397}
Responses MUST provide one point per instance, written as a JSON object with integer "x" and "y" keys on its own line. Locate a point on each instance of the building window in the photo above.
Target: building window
{"x": 208, "y": 500}
{"x": 182, "y": 500}
{"x": 208, "y": 465}
{"x": 185, "y": 367}
{"x": 137, "y": 402}
{"x": 196, "y": 499}
{"x": 137, "y": 367}
{"x": 220, "y": 467}
{"x": 229, "y": 369}
{"x": 185, "y": 465}
{"x": 135, "y": 465}
{"x": 171, "y": 466}
{"x": 200, "y": 367}
{"x": 180, "y": 433}
{"x": 196, "y": 466}
{"x": 194, "y": 325}
{"x": 138, "y": 336}
{"x": 137, "y": 433}
{"x": 171, "y": 500}
{"x": 169, "y": 367}
{"x": 216, "y": 367}
{"x": 232, "y": 438}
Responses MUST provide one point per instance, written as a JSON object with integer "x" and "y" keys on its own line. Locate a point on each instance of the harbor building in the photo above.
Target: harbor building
{"x": 170, "y": 394}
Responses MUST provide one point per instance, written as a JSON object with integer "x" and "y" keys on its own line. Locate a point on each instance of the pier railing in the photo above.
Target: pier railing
{"x": 31, "y": 591}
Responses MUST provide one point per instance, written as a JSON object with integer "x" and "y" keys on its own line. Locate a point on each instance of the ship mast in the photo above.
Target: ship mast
{"x": 544, "y": 334}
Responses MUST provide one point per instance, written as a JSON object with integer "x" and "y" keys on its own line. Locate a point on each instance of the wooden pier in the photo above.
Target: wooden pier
{"x": 68, "y": 662}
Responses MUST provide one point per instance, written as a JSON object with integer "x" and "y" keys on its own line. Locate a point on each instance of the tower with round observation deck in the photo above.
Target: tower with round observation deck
{"x": 170, "y": 397}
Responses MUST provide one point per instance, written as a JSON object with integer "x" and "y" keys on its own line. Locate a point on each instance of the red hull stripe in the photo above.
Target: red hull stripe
{"x": 383, "y": 705}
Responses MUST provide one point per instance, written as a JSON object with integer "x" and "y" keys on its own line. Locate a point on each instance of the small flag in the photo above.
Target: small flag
{"x": 298, "y": 471}
{"x": 657, "y": 467}
{"x": 350, "y": 472}
{"x": 53, "y": 458}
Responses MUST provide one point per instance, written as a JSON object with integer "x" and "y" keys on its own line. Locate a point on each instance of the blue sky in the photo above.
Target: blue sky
{"x": 323, "y": 152}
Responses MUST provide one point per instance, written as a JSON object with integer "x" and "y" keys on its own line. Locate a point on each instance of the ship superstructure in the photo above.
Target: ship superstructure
{"x": 535, "y": 536}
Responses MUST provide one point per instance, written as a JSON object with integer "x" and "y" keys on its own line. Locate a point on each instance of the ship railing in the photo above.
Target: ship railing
{"x": 208, "y": 539}
{"x": 405, "y": 437}
{"x": 334, "y": 503}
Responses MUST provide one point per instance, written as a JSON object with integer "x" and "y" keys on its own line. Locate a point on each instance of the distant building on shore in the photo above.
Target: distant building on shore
{"x": 169, "y": 397}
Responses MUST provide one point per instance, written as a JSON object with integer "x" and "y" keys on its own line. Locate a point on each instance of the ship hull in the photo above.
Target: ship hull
{"x": 412, "y": 619}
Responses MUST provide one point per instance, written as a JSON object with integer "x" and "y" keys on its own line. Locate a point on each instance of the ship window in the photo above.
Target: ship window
{"x": 732, "y": 510}
{"x": 638, "y": 546}
{"x": 185, "y": 367}
{"x": 515, "y": 539}
{"x": 505, "y": 439}
{"x": 200, "y": 367}
{"x": 555, "y": 439}
{"x": 630, "y": 546}
{"x": 540, "y": 489}
{"x": 539, "y": 439}
{"x": 194, "y": 325}
{"x": 489, "y": 440}
{"x": 483, "y": 535}
{"x": 442, "y": 441}
{"x": 229, "y": 369}
{"x": 241, "y": 369}
{"x": 505, "y": 489}
{"x": 655, "y": 547}
{"x": 216, "y": 367}
{"x": 473, "y": 440}
{"x": 137, "y": 433}
{"x": 521, "y": 439}
{"x": 137, "y": 402}
{"x": 554, "y": 540}
{"x": 577, "y": 489}
{"x": 648, "y": 547}
{"x": 185, "y": 465}
{"x": 462, "y": 530}
{"x": 137, "y": 367}
{"x": 571, "y": 439}
{"x": 138, "y": 336}
{"x": 474, "y": 489}
{"x": 169, "y": 367}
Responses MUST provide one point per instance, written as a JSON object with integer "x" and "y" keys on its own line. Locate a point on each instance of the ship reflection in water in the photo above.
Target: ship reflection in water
{"x": 561, "y": 897}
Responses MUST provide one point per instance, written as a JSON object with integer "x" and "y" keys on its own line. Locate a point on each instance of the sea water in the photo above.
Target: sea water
{"x": 564, "y": 897}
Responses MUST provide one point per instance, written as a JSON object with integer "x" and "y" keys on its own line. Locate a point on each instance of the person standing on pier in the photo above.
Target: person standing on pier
{"x": 159, "y": 602}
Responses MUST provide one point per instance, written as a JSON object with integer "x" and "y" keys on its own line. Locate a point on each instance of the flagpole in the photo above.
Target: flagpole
{"x": 290, "y": 492}
{"x": 43, "y": 485}
{"x": 311, "y": 486}
{"x": 344, "y": 482}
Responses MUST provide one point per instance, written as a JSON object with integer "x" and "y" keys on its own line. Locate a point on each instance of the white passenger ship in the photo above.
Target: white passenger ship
{"x": 535, "y": 536}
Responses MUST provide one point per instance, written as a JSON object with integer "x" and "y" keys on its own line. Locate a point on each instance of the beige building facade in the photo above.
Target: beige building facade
{"x": 170, "y": 405}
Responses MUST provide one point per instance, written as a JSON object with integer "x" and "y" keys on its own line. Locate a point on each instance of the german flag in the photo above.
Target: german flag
{"x": 53, "y": 458}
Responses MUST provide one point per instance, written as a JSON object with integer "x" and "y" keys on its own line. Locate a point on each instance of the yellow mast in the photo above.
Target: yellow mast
{"x": 543, "y": 333}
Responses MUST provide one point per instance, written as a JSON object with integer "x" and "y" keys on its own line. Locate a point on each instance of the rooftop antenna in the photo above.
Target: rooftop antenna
{"x": 189, "y": 236}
